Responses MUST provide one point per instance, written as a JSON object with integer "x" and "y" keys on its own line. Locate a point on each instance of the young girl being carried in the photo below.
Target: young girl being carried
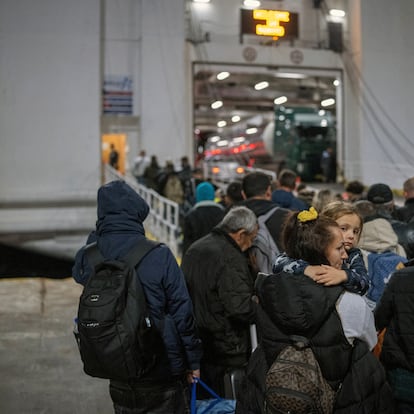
{"x": 353, "y": 275}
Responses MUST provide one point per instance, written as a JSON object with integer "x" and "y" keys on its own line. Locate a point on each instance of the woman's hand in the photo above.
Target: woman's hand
{"x": 326, "y": 275}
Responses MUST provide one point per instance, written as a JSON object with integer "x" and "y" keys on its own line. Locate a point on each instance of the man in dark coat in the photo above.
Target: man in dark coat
{"x": 257, "y": 192}
{"x": 203, "y": 216}
{"x": 221, "y": 288}
{"x": 395, "y": 312}
{"x": 121, "y": 212}
{"x": 113, "y": 157}
{"x": 284, "y": 195}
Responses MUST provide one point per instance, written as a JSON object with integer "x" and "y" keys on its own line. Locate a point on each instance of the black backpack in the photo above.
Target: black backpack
{"x": 117, "y": 339}
{"x": 295, "y": 384}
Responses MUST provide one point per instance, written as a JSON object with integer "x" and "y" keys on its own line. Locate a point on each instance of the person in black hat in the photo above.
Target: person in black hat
{"x": 381, "y": 195}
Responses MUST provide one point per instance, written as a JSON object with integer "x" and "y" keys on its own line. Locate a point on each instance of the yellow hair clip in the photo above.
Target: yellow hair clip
{"x": 308, "y": 215}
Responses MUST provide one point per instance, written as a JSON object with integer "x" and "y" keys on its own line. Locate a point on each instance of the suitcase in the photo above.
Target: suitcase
{"x": 234, "y": 377}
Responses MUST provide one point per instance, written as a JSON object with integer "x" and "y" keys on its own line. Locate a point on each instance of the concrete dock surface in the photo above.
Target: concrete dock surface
{"x": 40, "y": 366}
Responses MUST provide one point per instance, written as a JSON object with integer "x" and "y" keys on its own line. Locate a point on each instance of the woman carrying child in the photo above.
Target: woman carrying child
{"x": 337, "y": 324}
{"x": 353, "y": 274}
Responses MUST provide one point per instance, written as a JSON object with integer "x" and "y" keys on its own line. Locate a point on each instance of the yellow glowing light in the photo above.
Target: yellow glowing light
{"x": 273, "y": 19}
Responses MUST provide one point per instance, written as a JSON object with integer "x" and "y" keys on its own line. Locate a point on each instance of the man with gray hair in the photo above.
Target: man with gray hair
{"x": 221, "y": 288}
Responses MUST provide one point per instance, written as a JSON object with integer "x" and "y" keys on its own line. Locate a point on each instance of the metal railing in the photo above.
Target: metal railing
{"x": 162, "y": 223}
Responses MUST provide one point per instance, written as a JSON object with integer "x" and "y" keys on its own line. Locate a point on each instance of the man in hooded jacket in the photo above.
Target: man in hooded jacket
{"x": 121, "y": 213}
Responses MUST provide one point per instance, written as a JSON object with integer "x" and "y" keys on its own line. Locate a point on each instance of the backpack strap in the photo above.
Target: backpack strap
{"x": 268, "y": 214}
{"x": 299, "y": 342}
{"x": 133, "y": 258}
{"x": 135, "y": 255}
{"x": 274, "y": 219}
{"x": 93, "y": 254}
{"x": 139, "y": 251}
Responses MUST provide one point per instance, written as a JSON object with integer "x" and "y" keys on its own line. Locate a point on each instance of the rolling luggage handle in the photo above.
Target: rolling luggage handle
{"x": 210, "y": 403}
{"x": 253, "y": 336}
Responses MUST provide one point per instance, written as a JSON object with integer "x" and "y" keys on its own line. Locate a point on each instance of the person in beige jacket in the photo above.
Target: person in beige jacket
{"x": 380, "y": 249}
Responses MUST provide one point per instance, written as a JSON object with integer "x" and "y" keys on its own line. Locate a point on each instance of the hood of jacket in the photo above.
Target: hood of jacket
{"x": 121, "y": 212}
{"x": 378, "y": 236}
{"x": 120, "y": 209}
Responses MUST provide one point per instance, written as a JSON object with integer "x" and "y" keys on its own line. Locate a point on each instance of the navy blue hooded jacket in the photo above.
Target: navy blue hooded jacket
{"x": 121, "y": 212}
{"x": 287, "y": 199}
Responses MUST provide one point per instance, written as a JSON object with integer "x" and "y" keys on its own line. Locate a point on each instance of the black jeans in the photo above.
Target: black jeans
{"x": 404, "y": 407}
{"x": 155, "y": 399}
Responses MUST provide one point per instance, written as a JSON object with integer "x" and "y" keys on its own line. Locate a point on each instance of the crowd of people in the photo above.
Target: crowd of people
{"x": 326, "y": 283}
{"x": 177, "y": 185}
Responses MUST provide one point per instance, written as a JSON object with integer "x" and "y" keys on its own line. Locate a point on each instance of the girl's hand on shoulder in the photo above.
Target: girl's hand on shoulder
{"x": 330, "y": 276}
{"x": 313, "y": 271}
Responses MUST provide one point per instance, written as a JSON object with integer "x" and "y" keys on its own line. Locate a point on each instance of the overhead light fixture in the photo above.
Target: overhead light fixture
{"x": 337, "y": 13}
{"x": 238, "y": 140}
{"x": 280, "y": 100}
{"x": 290, "y": 75}
{"x": 250, "y": 131}
{"x": 251, "y": 3}
{"x": 235, "y": 118}
{"x": 261, "y": 85}
{"x": 201, "y": 1}
{"x": 221, "y": 124}
{"x": 336, "y": 82}
{"x": 216, "y": 104}
{"x": 222, "y": 143}
{"x": 328, "y": 102}
{"x": 223, "y": 75}
{"x": 216, "y": 138}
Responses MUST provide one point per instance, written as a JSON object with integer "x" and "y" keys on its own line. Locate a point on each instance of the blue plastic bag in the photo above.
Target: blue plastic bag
{"x": 215, "y": 405}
